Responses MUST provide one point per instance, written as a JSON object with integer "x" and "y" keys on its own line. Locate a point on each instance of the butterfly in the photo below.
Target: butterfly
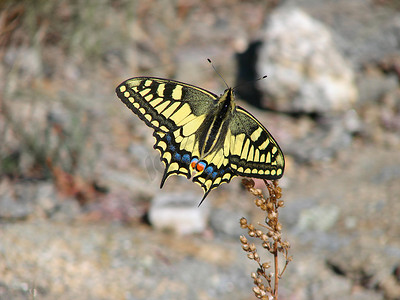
{"x": 197, "y": 132}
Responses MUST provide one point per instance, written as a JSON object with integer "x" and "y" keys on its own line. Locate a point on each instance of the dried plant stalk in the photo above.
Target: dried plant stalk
{"x": 266, "y": 282}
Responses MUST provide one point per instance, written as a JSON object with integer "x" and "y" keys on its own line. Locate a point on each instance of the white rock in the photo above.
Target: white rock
{"x": 306, "y": 73}
{"x": 179, "y": 213}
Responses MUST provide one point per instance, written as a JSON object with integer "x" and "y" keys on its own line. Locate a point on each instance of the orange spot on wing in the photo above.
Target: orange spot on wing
{"x": 200, "y": 167}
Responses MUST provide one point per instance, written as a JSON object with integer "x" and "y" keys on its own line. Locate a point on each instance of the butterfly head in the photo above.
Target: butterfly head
{"x": 227, "y": 100}
{"x": 229, "y": 92}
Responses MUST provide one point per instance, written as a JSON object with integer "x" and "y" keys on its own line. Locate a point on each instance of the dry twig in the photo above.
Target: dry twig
{"x": 271, "y": 240}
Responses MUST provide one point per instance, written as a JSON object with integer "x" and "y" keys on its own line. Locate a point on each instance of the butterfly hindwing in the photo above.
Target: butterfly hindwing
{"x": 213, "y": 173}
{"x": 176, "y": 161}
{"x": 253, "y": 151}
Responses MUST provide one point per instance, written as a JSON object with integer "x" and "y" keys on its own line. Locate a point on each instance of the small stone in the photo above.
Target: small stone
{"x": 373, "y": 86}
{"x": 226, "y": 222}
{"x": 15, "y": 201}
{"x": 325, "y": 141}
{"x": 179, "y": 213}
{"x": 67, "y": 210}
{"x": 319, "y": 218}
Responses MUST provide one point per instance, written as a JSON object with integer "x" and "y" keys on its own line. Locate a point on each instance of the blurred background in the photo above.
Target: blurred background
{"x": 81, "y": 213}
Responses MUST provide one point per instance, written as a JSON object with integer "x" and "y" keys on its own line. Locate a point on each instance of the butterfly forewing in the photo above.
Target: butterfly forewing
{"x": 165, "y": 104}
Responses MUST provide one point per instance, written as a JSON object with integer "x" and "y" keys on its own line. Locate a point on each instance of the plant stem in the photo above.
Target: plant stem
{"x": 276, "y": 270}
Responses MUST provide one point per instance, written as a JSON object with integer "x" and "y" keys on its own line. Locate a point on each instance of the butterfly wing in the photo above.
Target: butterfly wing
{"x": 216, "y": 163}
{"x": 175, "y": 110}
{"x": 248, "y": 149}
{"x": 253, "y": 151}
{"x": 165, "y": 104}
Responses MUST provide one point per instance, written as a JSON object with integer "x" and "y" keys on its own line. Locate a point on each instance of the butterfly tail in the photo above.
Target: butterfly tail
{"x": 204, "y": 197}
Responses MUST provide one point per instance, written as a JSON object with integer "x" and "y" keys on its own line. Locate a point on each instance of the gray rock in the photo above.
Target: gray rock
{"x": 367, "y": 268}
{"x": 178, "y": 212}
{"x": 306, "y": 72}
{"x": 13, "y": 207}
{"x": 329, "y": 137}
{"x": 47, "y": 200}
{"x": 291, "y": 212}
{"x": 67, "y": 210}
{"x": 388, "y": 173}
{"x": 320, "y": 218}
{"x": 20, "y": 200}
{"x": 337, "y": 288}
{"x": 226, "y": 222}
{"x": 372, "y": 87}
{"x": 34, "y": 199}
{"x": 366, "y": 31}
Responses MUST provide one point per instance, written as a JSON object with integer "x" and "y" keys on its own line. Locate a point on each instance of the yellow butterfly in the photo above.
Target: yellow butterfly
{"x": 197, "y": 131}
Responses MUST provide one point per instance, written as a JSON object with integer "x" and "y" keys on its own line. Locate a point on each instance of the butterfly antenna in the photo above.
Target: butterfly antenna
{"x": 250, "y": 81}
{"x": 209, "y": 60}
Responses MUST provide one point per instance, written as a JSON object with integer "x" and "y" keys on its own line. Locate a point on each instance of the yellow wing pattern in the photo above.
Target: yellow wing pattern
{"x": 198, "y": 132}
{"x": 253, "y": 151}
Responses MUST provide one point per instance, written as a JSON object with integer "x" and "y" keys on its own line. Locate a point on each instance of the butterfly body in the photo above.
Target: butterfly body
{"x": 199, "y": 133}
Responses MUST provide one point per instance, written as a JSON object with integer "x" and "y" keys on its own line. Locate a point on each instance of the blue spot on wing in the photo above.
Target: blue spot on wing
{"x": 186, "y": 158}
{"x": 209, "y": 170}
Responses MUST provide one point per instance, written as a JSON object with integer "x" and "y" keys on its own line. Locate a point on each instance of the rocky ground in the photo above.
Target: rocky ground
{"x": 80, "y": 213}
